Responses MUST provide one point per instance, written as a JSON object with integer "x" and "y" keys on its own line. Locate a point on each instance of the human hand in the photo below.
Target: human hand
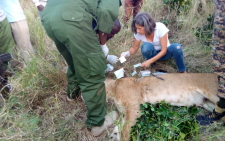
{"x": 112, "y": 59}
{"x": 146, "y": 64}
{"x": 40, "y": 7}
{"x": 105, "y": 49}
{"x": 109, "y": 68}
{"x": 125, "y": 54}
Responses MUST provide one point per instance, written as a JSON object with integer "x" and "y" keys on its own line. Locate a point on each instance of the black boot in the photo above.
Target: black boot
{"x": 217, "y": 114}
{"x": 5, "y": 88}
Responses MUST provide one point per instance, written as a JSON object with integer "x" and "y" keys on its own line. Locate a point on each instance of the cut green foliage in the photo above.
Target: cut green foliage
{"x": 164, "y": 122}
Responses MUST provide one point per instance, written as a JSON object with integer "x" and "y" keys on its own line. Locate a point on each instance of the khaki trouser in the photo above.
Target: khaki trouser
{"x": 21, "y": 36}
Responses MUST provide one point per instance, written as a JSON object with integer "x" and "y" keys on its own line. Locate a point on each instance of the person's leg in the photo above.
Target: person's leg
{"x": 217, "y": 114}
{"x": 137, "y": 7}
{"x": 129, "y": 5}
{"x": 221, "y": 103}
{"x": 6, "y": 46}
{"x": 218, "y": 55}
{"x": 72, "y": 88}
{"x": 88, "y": 59}
{"x": 90, "y": 65}
{"x": 6, "y": 42}
{"x": 148, "y": 51}
{"x": 21, "y": 36}
{"x": 175, "y": 51}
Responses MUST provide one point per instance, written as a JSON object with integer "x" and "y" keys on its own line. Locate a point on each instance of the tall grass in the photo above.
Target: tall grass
{"x": 37, "y": 108}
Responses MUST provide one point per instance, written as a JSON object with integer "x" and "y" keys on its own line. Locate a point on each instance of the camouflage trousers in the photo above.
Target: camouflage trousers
{"x": 218, "y": 45}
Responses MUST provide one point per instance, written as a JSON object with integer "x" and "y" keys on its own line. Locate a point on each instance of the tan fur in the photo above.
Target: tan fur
{"x": 177, "y": 89}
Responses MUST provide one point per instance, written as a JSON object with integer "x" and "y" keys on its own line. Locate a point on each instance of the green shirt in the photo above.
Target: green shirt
{"x": 107, "y": 13}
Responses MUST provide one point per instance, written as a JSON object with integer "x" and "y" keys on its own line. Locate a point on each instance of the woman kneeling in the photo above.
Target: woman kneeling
{"x": 156, "y": 44}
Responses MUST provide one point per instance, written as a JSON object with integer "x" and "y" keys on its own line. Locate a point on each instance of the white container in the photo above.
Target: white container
{"x": 119, "y": 73}
{"x": 145, "y": 73}
{"x": 137, "y": 65}
{"x": 134, "y": 73}
{"x": 122, "y": 59}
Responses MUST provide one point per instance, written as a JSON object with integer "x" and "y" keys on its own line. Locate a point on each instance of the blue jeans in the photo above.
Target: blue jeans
{"x": 174, "y": 50}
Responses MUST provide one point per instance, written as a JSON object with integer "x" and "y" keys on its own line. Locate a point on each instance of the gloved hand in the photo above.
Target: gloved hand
{"x": 109, "y": 68}
{"x": 105, "y": 49}
{"x": 125, "y": 54}
{"x": 112, "y": 59}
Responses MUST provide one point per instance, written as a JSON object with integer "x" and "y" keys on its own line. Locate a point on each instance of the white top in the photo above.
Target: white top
{"x": 40, "y": 2}
{"x": 160, "y": 30}
{"x": 13, "y": 10}
{"x": 2, "y": 14}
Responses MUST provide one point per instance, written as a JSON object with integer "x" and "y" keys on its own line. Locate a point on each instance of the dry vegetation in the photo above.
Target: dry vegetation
{"x": 37, "y": 108}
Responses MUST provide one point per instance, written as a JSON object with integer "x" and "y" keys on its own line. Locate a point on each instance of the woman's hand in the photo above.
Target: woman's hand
{"x": 146, "y": 64}
{"x": 125, "y": 54}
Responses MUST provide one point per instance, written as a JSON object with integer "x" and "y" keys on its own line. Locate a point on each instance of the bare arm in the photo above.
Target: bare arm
{"x": 135, "y": 47}
{"x": 163, "y": 41}
{"x": 102, "y": 37}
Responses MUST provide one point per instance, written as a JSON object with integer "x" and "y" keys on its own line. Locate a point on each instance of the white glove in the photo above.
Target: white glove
{"x": 125, "y": 54}
{"x": 105, "y": 49}
{"x": 109, "y": 68}
{"x": 112, "y": 59}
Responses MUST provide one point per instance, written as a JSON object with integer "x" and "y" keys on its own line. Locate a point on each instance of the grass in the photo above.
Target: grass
{"x": 37, "y": 108}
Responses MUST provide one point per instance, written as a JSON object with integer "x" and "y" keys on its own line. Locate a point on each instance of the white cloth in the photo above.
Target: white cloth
{"x": 2, "y": 14}
{"x": 160, "y": 30}
{"x": 13, "y": 10}
{"x": 40, "y": 2}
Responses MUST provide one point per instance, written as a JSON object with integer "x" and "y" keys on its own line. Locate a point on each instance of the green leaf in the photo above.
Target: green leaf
{"x": 182, "y": 135}
{"x": 133, "y": 138}
{"x": 152, "y": 109}
{"x": 166, "y": 124}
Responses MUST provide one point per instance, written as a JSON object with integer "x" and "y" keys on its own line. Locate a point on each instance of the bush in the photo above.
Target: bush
{"x": 164, "y": 122}
{"x": 176, "y": 2}
{"x": 205, "y": 33}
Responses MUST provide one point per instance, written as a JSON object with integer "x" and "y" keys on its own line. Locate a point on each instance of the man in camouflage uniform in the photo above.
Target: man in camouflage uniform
{"x": 218, "y": 55}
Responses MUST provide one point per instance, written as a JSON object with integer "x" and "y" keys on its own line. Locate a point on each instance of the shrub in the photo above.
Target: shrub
{"x": 164, "y": 122}
{"x": 205, "y": 33}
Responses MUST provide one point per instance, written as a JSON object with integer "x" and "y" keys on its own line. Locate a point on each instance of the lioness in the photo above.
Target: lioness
{"x": 177, "y": 89}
